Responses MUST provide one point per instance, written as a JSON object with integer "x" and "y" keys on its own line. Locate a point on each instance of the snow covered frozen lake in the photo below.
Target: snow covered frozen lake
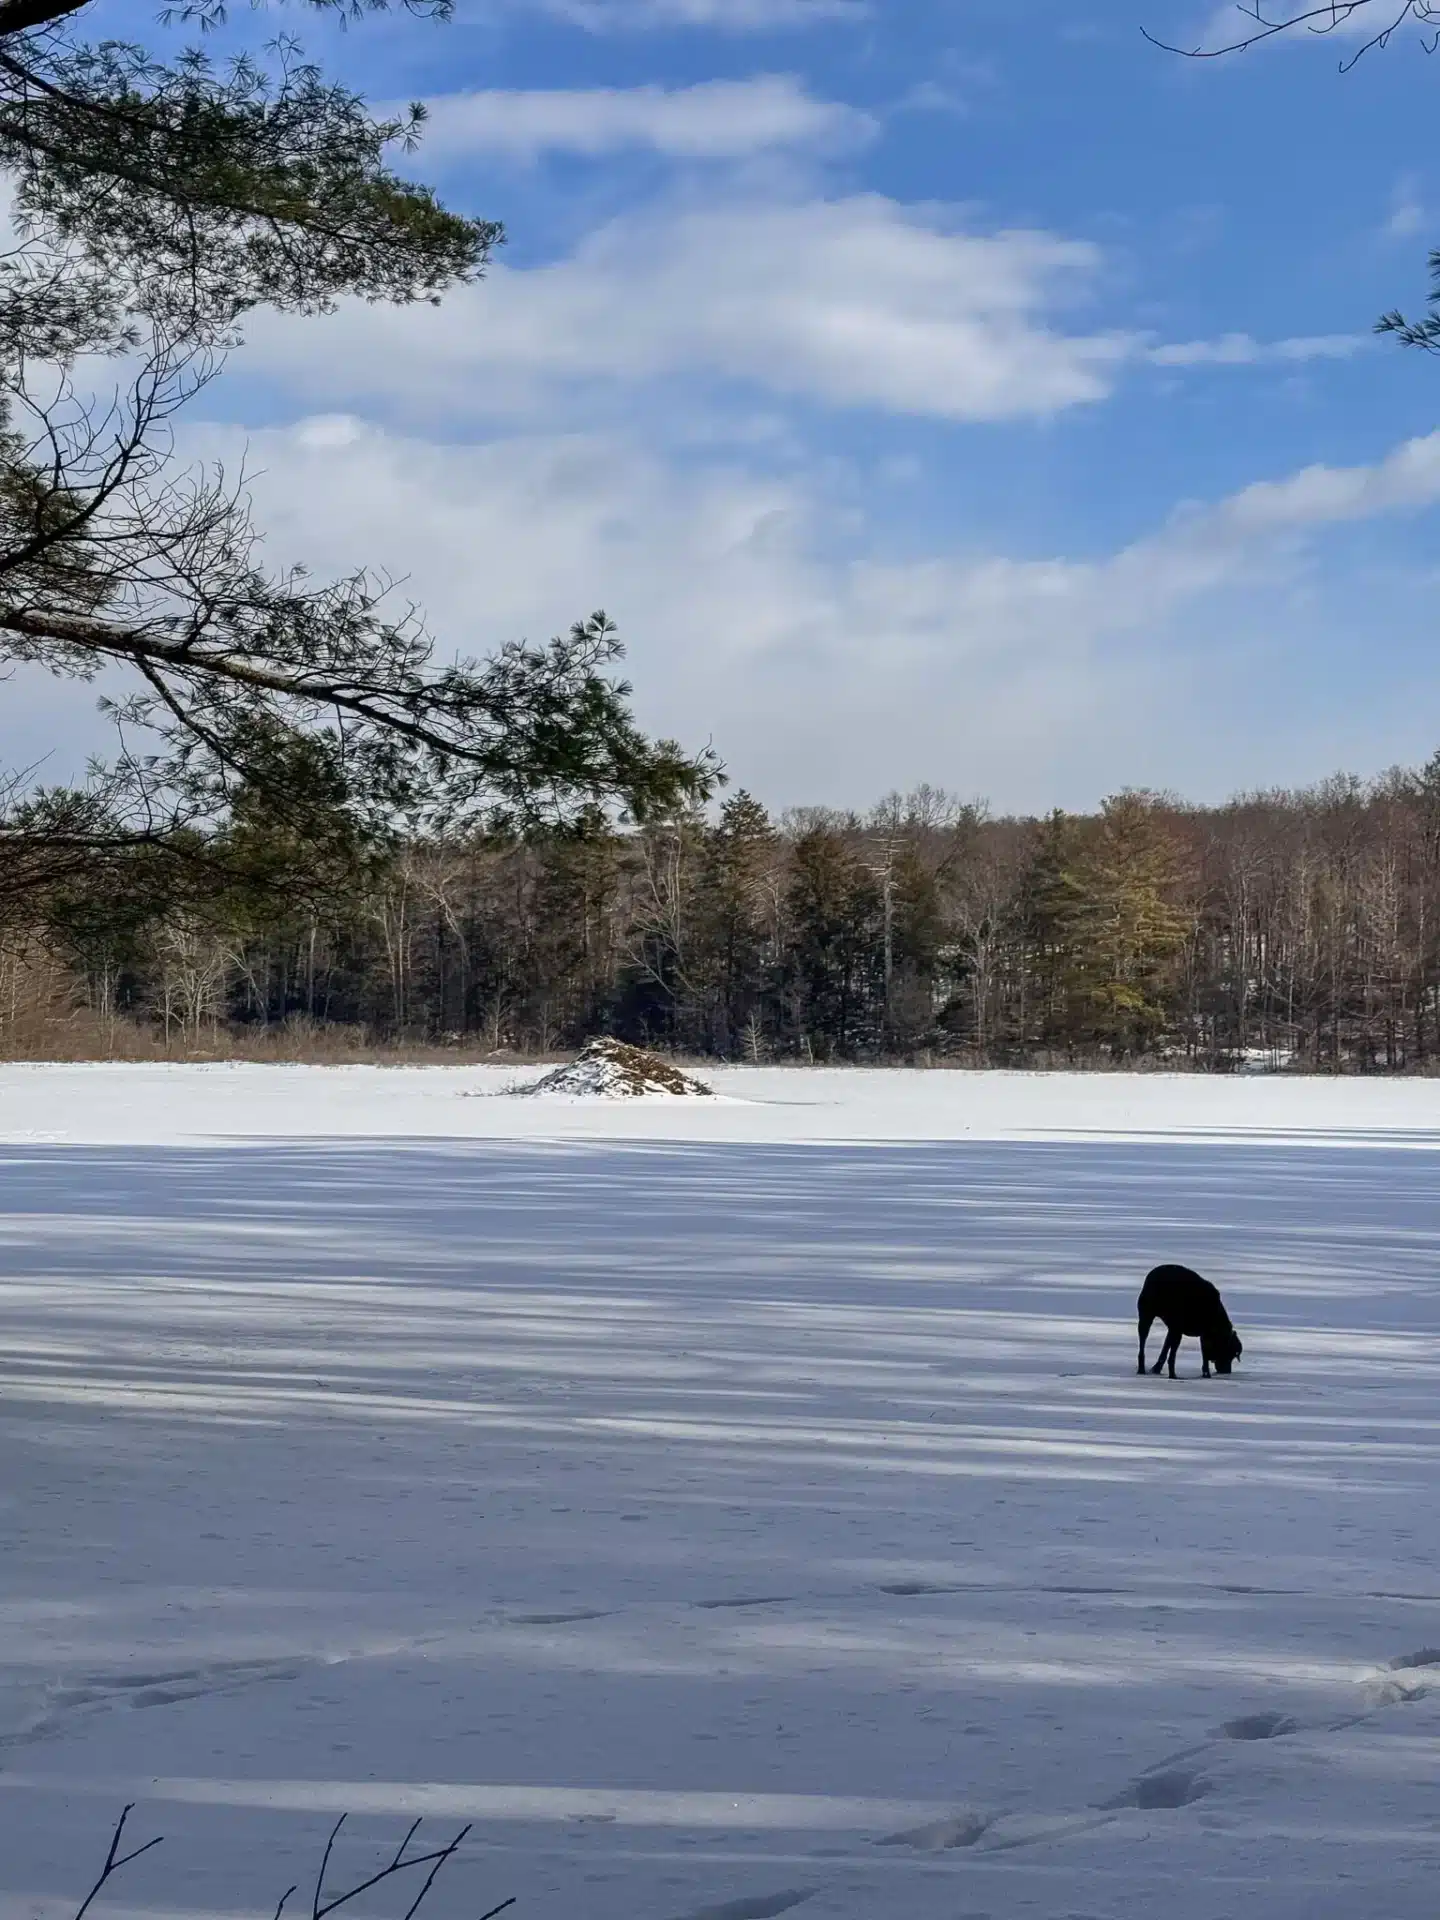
{"x": 733, "y": 1508}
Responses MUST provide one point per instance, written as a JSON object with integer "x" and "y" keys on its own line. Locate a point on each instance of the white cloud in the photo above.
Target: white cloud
{"x": 932, "y": 96}
{"x": 723, "y": 16}
{"x": 764, "y": 614}
{"x": 760, "y": 613}
{"x": 1407, "y": 216}
{"x": 1240, "y": 350}
{"x": 1319, "y": 496}
{"x": 856, "y": 302}
{"x": 716, "y": 120}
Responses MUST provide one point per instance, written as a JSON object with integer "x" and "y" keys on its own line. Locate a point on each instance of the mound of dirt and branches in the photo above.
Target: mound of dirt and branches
{"x": 611, "y": 1070}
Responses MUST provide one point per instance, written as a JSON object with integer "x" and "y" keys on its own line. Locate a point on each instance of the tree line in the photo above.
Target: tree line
{"x": 314, "y": 823}
{"x": 1282, "y": 929}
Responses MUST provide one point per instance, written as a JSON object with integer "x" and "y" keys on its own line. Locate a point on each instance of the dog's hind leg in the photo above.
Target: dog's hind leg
{"x": 1159, "y": 1366}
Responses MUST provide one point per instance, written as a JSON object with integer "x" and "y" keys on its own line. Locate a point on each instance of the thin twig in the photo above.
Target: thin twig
{"x": 435, "y": 1860}
{"x": 324, "y": 1863}
{"x": 1324, "y": 19}
{"x": 440, "y": 1860}
{"x": 114, "y": 1859}
{"x": 319, "y": 1906}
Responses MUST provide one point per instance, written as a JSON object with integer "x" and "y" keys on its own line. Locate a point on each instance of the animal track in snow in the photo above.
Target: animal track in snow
{"x": 559, "y": 1619}
{"x": 942, "y": 1836}
{"x": 745, "y": 1600}
{"x": 1152, "y": 1792}
{"x": 765, "y": 1907}
{"x": 1259, "y": 1726}
{"x": 1013, "y": 1831}
{"x": 23, "y": 1712}
{"x": 170, "y": 1687}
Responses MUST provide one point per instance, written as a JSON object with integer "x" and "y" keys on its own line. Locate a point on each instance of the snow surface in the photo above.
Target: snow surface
{"x": 733, "y": 1507}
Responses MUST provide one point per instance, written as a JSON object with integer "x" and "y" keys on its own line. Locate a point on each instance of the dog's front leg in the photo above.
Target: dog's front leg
{"x": 1145, "y": 1326}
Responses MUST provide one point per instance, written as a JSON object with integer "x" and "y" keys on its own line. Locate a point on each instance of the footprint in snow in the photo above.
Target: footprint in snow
{"x": 1259, "y": 1726}
{"x": 560, "y": 1619}
{"x": 1010, "y": 1832}
{"x": 1153, "y": 1792}
{"x": 169, "y": 1688}
{"x": 744, "y": 1600}
{"x": 941, "y": 1836}
{"x": 765, "y": 1907}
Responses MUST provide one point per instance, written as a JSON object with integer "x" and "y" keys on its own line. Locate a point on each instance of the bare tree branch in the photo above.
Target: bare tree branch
{"x": 115, "y": 1860}
{"x": 399, "y": 1863}
{"x": 320, "y": 1907}
{"x": 1330, "y": 17}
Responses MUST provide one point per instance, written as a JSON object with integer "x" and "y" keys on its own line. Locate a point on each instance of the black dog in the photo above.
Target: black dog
{"x": 1189, "y": 1306}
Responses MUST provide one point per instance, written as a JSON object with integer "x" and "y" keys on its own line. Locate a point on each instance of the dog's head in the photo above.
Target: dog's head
{"x": 1227, "y": 1350}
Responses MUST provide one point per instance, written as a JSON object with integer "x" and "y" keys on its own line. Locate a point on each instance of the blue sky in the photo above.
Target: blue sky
{"x": 947, "y": 390}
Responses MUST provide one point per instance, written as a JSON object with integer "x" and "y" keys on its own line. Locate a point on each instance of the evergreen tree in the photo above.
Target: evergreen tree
{"x": 920, "y": 936}
{"x": 835, "y": 959}
{"x": 739, "y": 902}
{"x": 1051, "y": 902}
{"x": 571, "y": 960}
{"x": 156, "y": 205}
{"x": 1124, "y": 923}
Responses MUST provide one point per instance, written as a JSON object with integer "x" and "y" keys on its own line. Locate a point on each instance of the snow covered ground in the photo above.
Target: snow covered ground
{"x": 733, "y": 1507}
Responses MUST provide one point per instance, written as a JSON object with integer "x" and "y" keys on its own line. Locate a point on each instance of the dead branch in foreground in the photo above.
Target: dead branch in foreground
{"x": 114, "y": 1859}
{"x": 322, "y": 1903}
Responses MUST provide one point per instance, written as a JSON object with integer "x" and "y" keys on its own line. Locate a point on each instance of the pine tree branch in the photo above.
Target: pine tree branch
{"x": 23, "y": 16}
{"x": 148, "y": 648}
